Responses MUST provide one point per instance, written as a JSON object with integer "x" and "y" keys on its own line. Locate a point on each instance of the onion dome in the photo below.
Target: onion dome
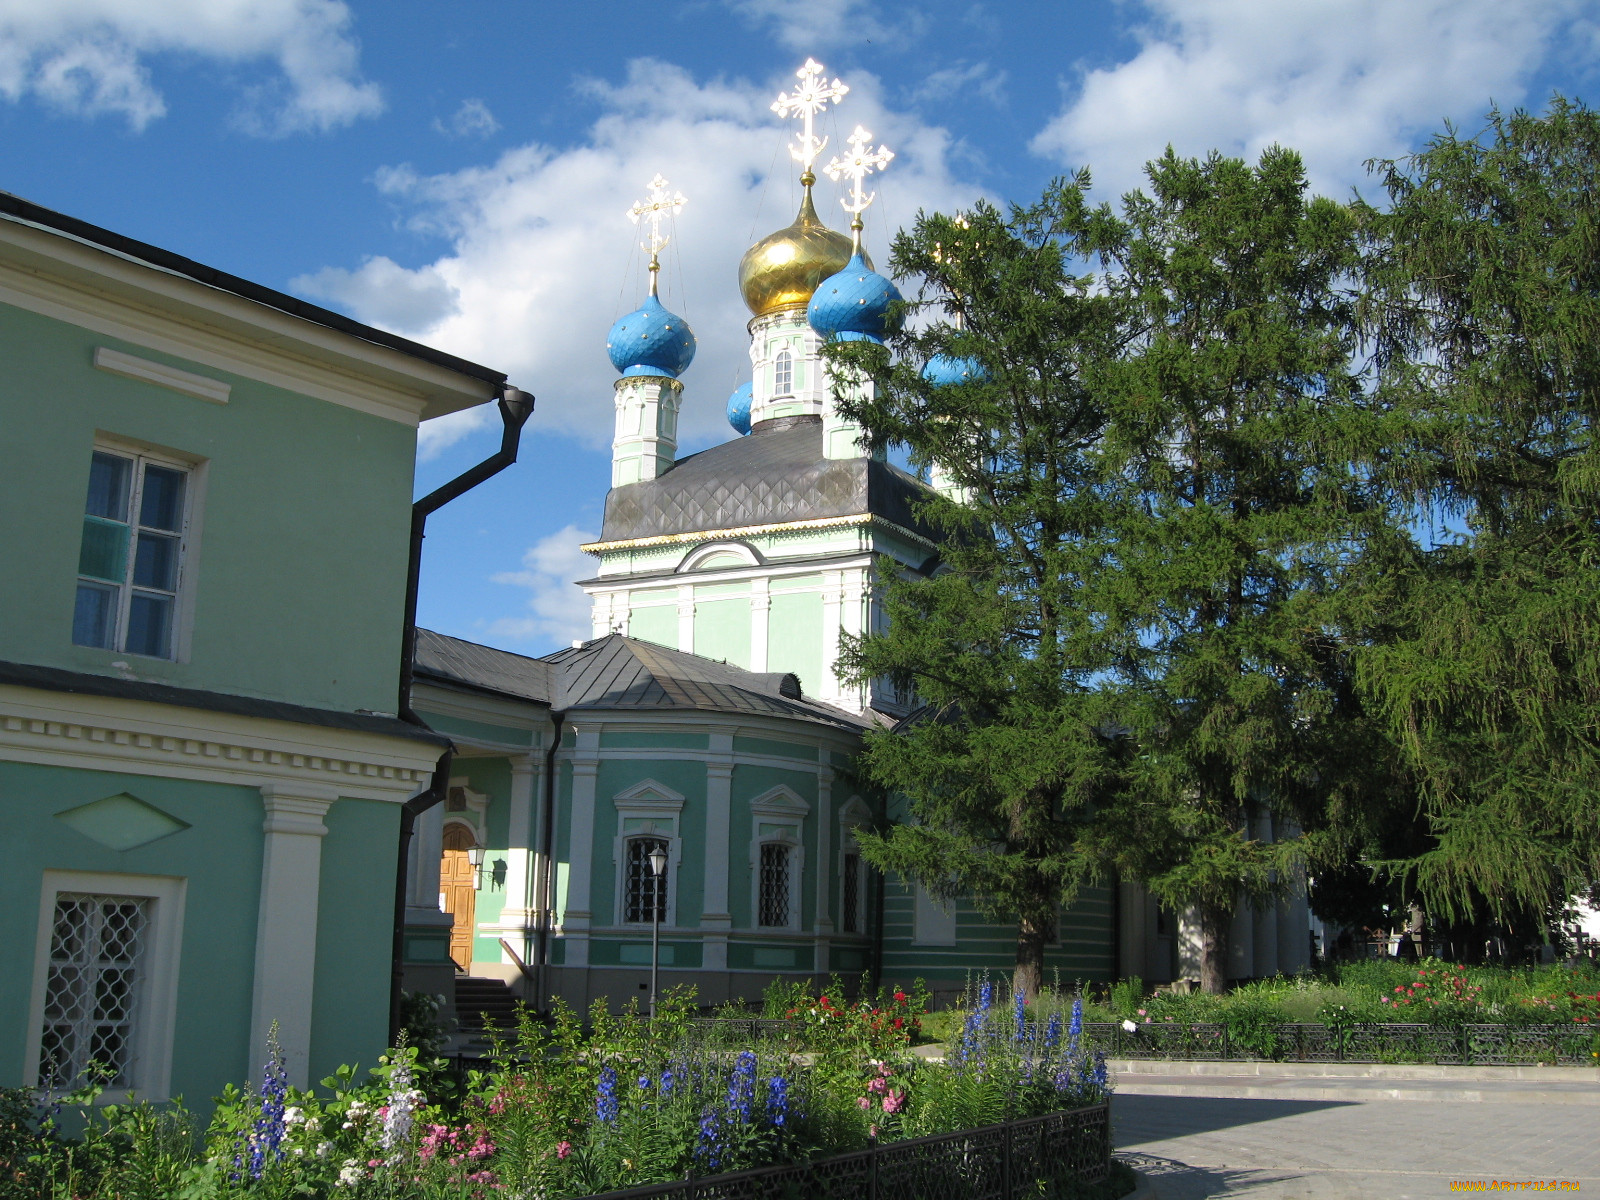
{"x": 784, "y": 268}
{"x": 854, "y": 304}
{"x": 943, "y": 371}
{"x": 739, "y": 408}
{"x": 651, "y": 341}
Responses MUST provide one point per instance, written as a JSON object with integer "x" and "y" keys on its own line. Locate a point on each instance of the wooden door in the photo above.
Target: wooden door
{"x": 458, "y": 884}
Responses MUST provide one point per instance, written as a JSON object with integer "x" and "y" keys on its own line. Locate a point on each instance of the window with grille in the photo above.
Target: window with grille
{"x": 852, "y": 894}
{"x": 643, "y": 888}
{"x": 783, "y": 374}
{"x": 98, "y": 960}
{"x": 774, "y": 885}
{"x": 130, "y": 558}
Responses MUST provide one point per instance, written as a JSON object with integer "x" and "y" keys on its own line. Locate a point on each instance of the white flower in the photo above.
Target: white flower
{"x": 1131, "y": 1025}
{"x": 292, "y": 1115}
{"x": 350, "y": 1174}
{"x": 325, "y": 1149}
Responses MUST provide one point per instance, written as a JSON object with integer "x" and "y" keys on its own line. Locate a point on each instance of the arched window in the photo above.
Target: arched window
{"x": 783, "y": 374}
{"x": 642, "y": 889}
{"x": 850, "y": 901}
{"x": 774, "y": 912}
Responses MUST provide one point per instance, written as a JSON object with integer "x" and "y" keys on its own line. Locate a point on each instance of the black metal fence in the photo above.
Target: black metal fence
{"x": 1569, "y": 1043}
{"x": 1053, "y": 1155}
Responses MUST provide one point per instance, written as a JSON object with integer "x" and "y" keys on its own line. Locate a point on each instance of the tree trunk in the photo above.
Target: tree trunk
{"x": 1214, "y": 950}
{"x": 1028, "y": 977}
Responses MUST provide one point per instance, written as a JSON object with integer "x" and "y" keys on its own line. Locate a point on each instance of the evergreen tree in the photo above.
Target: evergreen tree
{"x": 1484, "y": 301}
{"x": 1133, "y": 645}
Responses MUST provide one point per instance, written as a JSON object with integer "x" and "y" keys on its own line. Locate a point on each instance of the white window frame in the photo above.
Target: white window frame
{"x": 777, "y": 817}
{"x": 658, "y": 813}
{"x": 194, "y": 472}
{"x": 783, "y": 365}
{"x": 855, "y": 813}
{"x": 151, "y": 1067}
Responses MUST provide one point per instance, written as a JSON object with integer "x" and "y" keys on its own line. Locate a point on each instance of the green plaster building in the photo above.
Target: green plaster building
{"x": 207, "y": 512}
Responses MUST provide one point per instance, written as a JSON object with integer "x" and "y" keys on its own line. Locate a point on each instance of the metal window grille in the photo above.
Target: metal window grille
{"x": 98, "y": 948}
{"x": 774, "y": 884}
{"x": 783, "y": 374}
{"x": 643, "y": 887}
{"x": 852, "y": 894}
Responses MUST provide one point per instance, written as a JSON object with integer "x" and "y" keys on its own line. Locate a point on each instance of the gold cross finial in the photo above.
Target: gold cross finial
{"x": 658, "y": 206}
{"x": 856, "y": 166}
{"x": 812, "y": 96}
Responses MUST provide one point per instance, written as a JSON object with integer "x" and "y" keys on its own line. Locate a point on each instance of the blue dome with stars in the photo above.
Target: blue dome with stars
{"x": 854, "y": 304}
{"x": 739, "y": 408}
{"x": 943, "y": 371}
{"x": 651, "y": 341}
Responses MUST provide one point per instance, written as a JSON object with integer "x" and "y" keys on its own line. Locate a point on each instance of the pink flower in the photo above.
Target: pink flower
{"x": 563, "y": 1149}
{"x": 894, "y": 1101}
{"x": 863, "y": 1102}
{"x": 1141, "y": 1012}
{"x": 876, "y": 1085}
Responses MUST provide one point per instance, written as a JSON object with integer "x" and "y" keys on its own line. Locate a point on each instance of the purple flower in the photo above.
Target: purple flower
{"x": 742, "y": 1085}
{"x": 606, "y": 1104}
{"x": 710, "y": 1147}
{"x": 777, "y": 1101}
{"x": 1052, "y": 1033}
{"x": 1021, "y": 1007}
{"x": 266, "y": 1143}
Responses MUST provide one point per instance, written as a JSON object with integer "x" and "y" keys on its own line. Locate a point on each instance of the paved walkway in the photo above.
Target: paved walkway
{"x": 1261, "y": 1136}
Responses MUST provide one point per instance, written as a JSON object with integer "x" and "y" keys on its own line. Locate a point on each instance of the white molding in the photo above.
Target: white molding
{"x": 153, "y": 1055}
{"x": 780, "y": 806}
{"x": 781, "y": 802}
{"x": 187, "y": 382}
{"x": 699, "y": 554}
{"x": 104, "y": 733}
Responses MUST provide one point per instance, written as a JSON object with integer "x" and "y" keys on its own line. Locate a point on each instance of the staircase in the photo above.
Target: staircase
{"x": 483, "y": 1004}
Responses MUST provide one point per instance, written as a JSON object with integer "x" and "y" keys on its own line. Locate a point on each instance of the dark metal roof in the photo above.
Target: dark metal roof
{"x": 55, "y": 679}
{"x": 773, "y": 475}
{"x": 482, "y": 667}
{"x": 155, "y": 256}
{"x": 617, "y": 672}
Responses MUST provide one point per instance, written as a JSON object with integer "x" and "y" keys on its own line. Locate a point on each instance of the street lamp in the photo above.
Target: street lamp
{"x": 658, "y": 864}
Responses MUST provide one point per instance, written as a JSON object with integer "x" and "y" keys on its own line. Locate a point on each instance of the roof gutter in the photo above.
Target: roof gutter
{"x": 516, "y": 406}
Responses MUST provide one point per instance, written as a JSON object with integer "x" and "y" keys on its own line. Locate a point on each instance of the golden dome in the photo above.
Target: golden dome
{"x": 785, "y": 267}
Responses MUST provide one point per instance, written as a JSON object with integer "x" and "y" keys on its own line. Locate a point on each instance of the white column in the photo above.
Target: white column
{"x": 286, "y": 924}
{"x": 832, "y": 602}
{"x": 580, "y": 913}
{"x": 686, "y": 618}
{"x": 1133, "y": 938}
{"x": 826, "y": 832}
{"x": 760, "y": 615}
{"x": 1265, "y": 912}
{"x": 715, "y": 918}
{"x": 1191, "y": 944}
{"x": 521, "y": 868}
{"x": 852, "y": 617}
{"x": 1242, "y": 941}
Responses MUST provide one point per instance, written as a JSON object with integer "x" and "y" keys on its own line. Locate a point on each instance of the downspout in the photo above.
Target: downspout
{"x": 547, "y": 882}
{"x": 516, "y": 406}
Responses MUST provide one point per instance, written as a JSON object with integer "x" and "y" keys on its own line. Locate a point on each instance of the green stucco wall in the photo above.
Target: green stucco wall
{"x": 686, "y": 778}
{"x": 722, "y": 630}
{"x": 305, "y": 510}
{"x": 657, "y": 623}
{"x": 794, "y": 638}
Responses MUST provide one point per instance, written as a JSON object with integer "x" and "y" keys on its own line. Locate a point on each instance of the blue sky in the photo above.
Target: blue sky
{"x": 458, "y": 172}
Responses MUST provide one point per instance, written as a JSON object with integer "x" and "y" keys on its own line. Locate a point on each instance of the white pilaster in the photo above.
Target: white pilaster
{"x": 852, "y": 616}
{"x": 1242, "y": 941}
{"x": 522, "y": 869}
{"x": 1265, "y": 912}
{"x": 286, "y": 924}
{"x": 686, "y": 618}
{"x": 1191, "y": 944}
{"x": 579, "y": 914}
{"x": 715, "y": 918}
{"x": 832, "y": 602}
{"x": 646, "y": 440}
{"x": 760, "y": 617}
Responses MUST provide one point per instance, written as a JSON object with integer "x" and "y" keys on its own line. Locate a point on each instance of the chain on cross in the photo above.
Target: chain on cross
{"x": 855, "y": 167}
{"x": 812, "y": 96}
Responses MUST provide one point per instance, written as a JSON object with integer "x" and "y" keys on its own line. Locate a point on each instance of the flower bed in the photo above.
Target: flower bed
{"x": 569, "y": 1110}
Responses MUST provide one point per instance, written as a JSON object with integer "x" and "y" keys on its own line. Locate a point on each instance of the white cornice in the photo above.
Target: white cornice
{"x": 59, "y": 277}
{"x": 137, "y": 737}
{"x": 742, "y": 531}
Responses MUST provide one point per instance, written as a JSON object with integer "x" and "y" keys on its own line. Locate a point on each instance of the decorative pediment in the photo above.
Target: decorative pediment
{"x": 781, "y": 801}
{"x": 855, "y": 812}
{"x": 720, "y": 555}
{"x": 651, "y": 795}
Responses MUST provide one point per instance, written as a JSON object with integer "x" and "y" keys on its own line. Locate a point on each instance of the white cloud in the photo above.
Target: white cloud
{"x": 543, "y": 260}
{"x": 816, "y": 26}
{"x": 557, "y": 613}
{"x": 90, "y": 57}
{"x": 472, "y": 119}
{"x": 945, "y": 86}
{"x": 1339, "y": 80}
{"x": 389, "y": 295}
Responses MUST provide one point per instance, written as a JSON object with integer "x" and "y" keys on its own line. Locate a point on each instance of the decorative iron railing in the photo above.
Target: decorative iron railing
{"x": 1570, "y": 1043}
{"x": 1035, "y": 1156}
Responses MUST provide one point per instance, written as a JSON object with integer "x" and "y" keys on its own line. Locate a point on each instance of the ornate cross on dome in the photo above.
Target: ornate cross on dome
{"x": 855, "y": 167}
{"x": 812, "y": 96}
{"x": 658, "y": 206}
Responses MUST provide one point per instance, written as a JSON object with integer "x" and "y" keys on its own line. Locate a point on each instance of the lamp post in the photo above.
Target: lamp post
{"x": 658, "y": 864}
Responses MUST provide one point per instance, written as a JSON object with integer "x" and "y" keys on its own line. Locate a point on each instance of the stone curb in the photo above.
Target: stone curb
{"x": 1145, "y": 1189}
{"x": 1222, "y": 1091}
{"x": 1169, "y": 1068}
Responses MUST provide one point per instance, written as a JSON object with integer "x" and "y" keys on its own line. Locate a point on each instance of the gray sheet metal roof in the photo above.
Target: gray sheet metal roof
{"x": 772, "y": 476}
{"x": 617, "y": 672}
{"x": 467, "y": 663}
